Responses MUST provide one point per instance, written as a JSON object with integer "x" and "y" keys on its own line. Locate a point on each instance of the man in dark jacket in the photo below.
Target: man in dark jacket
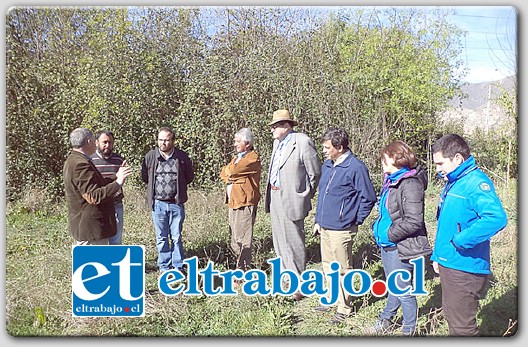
{"x": 167, "y": 172}
{"x": 90, "y": 198}
{"x": 346, "y": 197}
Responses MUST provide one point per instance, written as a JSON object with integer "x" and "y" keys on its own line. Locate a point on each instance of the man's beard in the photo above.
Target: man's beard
{"x": 106, "y": 152}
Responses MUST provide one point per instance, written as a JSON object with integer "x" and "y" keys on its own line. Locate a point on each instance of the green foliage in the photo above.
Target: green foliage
{"x": 399, "y": 72}
{"x": 495, "y": 153}
{"x": 381, "y": 75}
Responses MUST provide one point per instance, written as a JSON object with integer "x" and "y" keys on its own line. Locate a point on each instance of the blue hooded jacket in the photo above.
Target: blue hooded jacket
{"x": 469, "y": 214}
{"x": 383, "y": 222}
{"x": 346, "y": 194}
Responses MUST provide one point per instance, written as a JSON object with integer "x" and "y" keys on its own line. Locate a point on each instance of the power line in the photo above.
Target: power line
{"x": 476, "y": 16}
{"x": 492, "y": 49}
{"x": 480, "y": 60}
{"x": 487, "y": 32}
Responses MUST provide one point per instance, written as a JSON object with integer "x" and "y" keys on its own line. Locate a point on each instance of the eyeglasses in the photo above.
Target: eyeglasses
{"x": 277, "y": 125}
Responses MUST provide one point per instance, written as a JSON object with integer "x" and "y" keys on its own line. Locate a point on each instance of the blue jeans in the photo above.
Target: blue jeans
{"x": 117, "y": 239}
{"x": 168, "y": 221}
{"x": 392, "y": 262}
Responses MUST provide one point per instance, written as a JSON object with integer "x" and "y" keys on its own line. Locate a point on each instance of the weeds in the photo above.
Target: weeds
{"x": 38, "y": 277}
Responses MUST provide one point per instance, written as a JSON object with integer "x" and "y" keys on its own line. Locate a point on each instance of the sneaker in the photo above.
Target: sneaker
{"x": 338, "y": 318}
{"x": 410, "y": 332}
{"x": 381, "y": 327}
{"x": 322, "y": 308}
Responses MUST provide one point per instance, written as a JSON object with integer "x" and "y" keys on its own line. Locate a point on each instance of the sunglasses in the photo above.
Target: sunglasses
{"x": 277, "y": 125}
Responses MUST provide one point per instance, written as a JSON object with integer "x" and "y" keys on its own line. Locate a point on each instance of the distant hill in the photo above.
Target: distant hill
{"x": 479, "y": 107}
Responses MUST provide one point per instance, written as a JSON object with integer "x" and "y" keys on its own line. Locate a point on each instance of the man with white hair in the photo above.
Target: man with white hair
{"x": 90, "y": 198}
{"x": 242, "y": 178}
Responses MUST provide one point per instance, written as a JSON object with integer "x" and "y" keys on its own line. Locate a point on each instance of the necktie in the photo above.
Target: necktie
{"x": 274, "y": 173}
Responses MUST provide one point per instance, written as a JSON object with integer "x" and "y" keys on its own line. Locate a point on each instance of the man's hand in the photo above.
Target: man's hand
{"x": 316, "y": 230}
{"x": 123, "y": 172}
{"x": 435, "y": 267}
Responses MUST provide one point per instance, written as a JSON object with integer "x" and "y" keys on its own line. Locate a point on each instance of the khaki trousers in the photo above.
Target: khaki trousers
{"x": 241, "y": 222}
{"x": 336, "y": 245}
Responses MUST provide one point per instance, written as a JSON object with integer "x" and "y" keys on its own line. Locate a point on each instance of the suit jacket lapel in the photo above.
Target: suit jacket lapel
{"x": 288, "y": 150}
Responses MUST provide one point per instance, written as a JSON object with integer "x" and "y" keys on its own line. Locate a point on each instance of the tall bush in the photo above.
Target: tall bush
{"x": 207, "y": 72}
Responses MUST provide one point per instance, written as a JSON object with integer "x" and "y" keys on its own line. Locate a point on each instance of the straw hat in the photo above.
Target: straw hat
{"x": 282, "y": 116}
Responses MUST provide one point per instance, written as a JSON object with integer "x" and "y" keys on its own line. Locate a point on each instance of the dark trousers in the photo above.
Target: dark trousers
{"x": 461, "y": 292}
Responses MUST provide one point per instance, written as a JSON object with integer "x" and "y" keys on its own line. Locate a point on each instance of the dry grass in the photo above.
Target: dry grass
{"x": 38, "y": 278}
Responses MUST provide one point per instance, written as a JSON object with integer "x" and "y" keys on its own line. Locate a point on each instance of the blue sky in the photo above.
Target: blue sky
{"x": 490, "y": 47}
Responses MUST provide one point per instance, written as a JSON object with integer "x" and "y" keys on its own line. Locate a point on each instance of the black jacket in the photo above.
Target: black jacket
{"x": 408, "y": 229}
{"x": 185, "y": 174}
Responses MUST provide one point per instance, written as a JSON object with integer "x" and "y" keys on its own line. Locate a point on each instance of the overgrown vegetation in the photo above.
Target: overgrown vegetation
{"x": 380, "y": 73}
{"x": 38, "y": 278}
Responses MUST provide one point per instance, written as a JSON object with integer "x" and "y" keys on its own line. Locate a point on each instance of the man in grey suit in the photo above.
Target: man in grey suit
{"x": 293, "y": 177}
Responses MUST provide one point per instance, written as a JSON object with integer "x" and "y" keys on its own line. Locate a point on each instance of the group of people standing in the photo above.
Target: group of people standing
{"x": 93, "y": 178}
{"x": 469, "y": 211}
{"x": 469, "y": 214}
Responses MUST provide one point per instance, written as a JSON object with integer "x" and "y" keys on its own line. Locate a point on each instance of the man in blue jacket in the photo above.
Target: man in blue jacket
{"x": 469, "y": 214}
{"x": 346, "y": 197}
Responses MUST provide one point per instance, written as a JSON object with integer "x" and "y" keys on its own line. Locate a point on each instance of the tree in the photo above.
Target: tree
{"x": 380, "y": 74}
